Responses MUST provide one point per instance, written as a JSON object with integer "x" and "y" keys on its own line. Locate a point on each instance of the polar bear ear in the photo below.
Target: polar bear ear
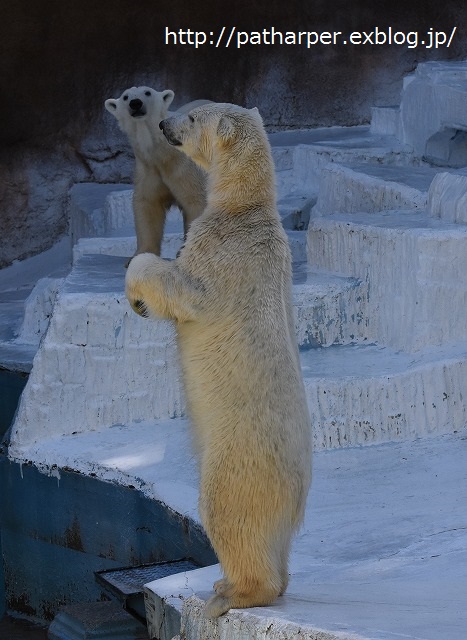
{"x": 167, "y": 97}
{"x": 226, "y": 128}
{"x": 111, "y": 105}
{"x": 256, "y": 114}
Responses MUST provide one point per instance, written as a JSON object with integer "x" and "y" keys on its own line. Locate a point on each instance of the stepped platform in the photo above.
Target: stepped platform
{"x": 416, "y": 265}
{"x": 372, "y": 188}
{"x": 125, "y": 367}
{"x": 301, "y": 155}
{"x": 381, "y": 555}
{"x": 101, "y": 219}
{"x": 101, "y": 365}
{"x": 27, "y": 295}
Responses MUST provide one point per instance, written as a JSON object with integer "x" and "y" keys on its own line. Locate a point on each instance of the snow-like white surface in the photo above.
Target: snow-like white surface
{"x": 368, "y": 188}
{"x": 434, "y": 99}
{"x": 448, "y": 197}
{"x": 22, "y": 276}
{"x": 301, "y": 155}
{"x": 381, "y": 556}
{"x": 385, "y": 121}
{"x": 154, "y": 457}
{"x": 27, "y": 293}
{"x": 415, "y": 266}
{"x": 100, "y": 364}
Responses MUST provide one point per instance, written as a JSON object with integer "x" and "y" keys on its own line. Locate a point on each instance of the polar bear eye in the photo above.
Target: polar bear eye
{"x": 147, "y": 93}
{"x": 191, "y": 118}
{"x": 125, "y": 97}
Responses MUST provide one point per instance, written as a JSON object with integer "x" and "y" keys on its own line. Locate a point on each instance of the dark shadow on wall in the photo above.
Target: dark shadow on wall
{"x": 60, "y": 61}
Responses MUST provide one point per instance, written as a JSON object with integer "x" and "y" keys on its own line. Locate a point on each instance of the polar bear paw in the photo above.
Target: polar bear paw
{"x": 216, "y": 606}
{"x": 140, "y": 308}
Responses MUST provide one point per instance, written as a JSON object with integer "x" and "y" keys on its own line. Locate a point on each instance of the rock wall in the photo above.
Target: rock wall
{"x": 61, "y": 60}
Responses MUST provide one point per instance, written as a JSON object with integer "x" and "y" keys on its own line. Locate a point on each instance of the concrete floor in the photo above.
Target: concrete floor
{"x": 381, "y": 555}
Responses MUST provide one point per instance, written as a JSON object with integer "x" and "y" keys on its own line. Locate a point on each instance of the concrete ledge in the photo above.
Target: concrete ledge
{"x": 301, "y": 155}
{"x": 329, "y": 309}
{"x": 87, "y": 203}
{"x": 447, "y": 198}
{"x": 371, "y": 189}
{"x": 176, "y": 606}
{"x": 366, "y": 394}
{"x": 385, "y": 121}
{"x": 415, "y": 267}
{"x": 381, "y": 555}
{"x": 433, "y": 101}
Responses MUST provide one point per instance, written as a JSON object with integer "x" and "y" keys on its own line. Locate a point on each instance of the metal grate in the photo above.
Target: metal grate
{"x": 129, "y": 581}
{"x": 126, "y": 584}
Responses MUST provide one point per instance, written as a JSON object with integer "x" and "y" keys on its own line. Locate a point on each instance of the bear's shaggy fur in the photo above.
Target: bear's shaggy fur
{"x": 229, "y": 293}
{"x": 163, "y": 175}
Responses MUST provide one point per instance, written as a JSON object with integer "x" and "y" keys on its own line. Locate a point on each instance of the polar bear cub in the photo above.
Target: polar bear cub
{"x": 229, "y": 293}
{"x": 163, "y": 175}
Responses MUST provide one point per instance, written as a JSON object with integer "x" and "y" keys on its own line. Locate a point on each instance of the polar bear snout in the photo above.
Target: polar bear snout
{"x": 166, "y": 129}
{"x": 136, "y": 104}
{"x": 137, "y": 108}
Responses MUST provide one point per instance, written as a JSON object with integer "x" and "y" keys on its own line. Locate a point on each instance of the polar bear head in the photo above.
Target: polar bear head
{"x": 230, "y": 143}
{"x": 140, "y": 104}
{"x": 215, "y": 128}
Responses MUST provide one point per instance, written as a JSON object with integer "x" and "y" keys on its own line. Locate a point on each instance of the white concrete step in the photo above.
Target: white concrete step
{"x": 329, "y": 309}
{"x": 433, "y": 112}
{"x": 372, "y": 188}
{"x": 100, "y": 364}
{"x": 125, "y": 245}
{"x": 91, "y": 216}
{"x": 386, "y": 121}
{"x": 114, "y": 216}
{"x": 381, "y": 555}
{"x": 27, "y": 293}
{"x": 24, "y": 323}
{"x": 301, "y": 155}
{"x": 400, "y": 506}
{"x": 356, "y": 395}
{"x": 360, "y": 394}
{"x": 109, "y": 229}
{"x": 447, "y": 198}
{"x": 415, "y": 267}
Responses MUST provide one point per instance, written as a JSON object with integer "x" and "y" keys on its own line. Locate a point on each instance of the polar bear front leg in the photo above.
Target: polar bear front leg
{"x": 155, "y": 286}
{"x": 151, "y": 200}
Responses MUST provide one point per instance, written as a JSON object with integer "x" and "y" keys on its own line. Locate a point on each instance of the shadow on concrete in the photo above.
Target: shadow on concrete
{"x": 13, "y": 629}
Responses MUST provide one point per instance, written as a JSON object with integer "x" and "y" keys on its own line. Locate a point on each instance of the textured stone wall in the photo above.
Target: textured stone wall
{"x": 60, "y": 60}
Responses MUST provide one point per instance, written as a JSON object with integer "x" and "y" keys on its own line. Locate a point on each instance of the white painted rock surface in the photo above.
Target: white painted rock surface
{"x": 381, "y": 556}
{"x": 448, "y": 197}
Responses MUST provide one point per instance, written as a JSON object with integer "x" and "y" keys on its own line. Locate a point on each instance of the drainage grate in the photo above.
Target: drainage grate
{"x": 126, "y": 584}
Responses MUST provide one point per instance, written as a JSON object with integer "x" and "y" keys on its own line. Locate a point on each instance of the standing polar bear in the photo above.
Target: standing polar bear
{"x": 163, "y": 175}
{"x": 229, "y": 293}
